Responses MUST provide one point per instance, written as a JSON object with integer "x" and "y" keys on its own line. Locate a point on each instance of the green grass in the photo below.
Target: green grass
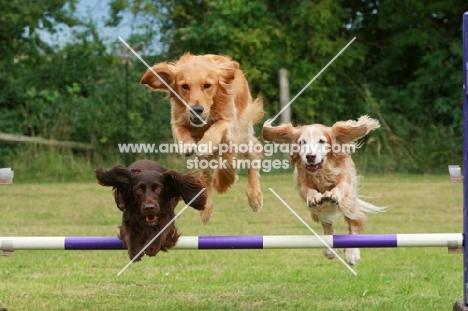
{"x": 388, "y": 279}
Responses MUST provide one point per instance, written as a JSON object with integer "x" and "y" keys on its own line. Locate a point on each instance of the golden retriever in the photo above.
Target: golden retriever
{"x": 212, "y": 105}
{"x": 325, "y": 174}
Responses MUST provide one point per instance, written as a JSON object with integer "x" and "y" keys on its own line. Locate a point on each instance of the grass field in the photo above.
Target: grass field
{"x": 388, "y": 279}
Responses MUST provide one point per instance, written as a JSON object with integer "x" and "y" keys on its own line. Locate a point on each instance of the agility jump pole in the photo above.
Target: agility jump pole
{"x": 453, "y": 241}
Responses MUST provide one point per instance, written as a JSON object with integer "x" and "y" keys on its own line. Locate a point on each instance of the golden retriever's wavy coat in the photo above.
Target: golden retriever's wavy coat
{"x": 212, "y": 104}
{"x": 325, "y": 174}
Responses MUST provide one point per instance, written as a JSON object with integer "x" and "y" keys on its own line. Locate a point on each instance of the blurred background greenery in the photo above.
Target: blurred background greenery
{"x": 404, "y": 69}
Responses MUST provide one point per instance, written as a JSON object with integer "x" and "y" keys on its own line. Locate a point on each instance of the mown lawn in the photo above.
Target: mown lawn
{"x": 388, "y": 279}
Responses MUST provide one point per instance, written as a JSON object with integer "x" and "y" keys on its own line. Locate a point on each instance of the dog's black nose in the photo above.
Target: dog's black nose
{"x": 149, "y": 207}
{"x": 310, "y": 157}
{"x": 197, "y": 109}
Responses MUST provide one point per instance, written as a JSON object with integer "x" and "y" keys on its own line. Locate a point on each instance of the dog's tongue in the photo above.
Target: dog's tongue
{"x": 151, "y": 219}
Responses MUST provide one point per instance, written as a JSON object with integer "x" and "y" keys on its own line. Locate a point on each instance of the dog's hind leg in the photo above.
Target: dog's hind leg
{"x": 327, "y": 230}
{"x": 225, "y": 174}
{"x": 355, "y": 225}
{"x": 205, "y": 214}
{"x": 254, "y": 191}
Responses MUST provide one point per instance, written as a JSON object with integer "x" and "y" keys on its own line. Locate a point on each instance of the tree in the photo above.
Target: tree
{"x": 412, "y": 70}
{"x": 404, "y": 66}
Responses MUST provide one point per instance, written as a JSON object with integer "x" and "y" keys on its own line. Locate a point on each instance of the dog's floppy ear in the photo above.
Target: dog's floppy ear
{"x": 283, "y": 133}
{"x": 117, "y": 177}
{"x": 186, "y": 186}
{"x": 228, "y": 71}
{"x": 165, "y": 71}
{"x": 349, "y": 131}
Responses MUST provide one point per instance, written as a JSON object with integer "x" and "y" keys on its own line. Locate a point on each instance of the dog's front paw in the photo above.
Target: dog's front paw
{"x": 334, "y": 196}
{"x": 152, "y": 250}
{"x": 188, "y": 149}
{"x": 132, "y": 254}
{"x": 352, "y": 255}
{"x": 314, "y": 200}
{"x": 206, "y": 148}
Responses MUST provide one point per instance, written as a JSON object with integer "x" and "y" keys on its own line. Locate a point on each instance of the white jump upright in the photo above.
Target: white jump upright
{"x": 6, "y": 176}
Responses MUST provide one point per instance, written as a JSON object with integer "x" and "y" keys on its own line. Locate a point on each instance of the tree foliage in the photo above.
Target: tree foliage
{"x": 404, "y": 68}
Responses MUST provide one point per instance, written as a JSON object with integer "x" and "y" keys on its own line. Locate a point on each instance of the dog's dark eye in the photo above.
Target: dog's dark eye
{"x": 139, "y": 191}
{"x": 206, "y": 85}
{"x": 321, "y": 141}
{"x": 302, "y": 142}
{"x": 185, "y": 86}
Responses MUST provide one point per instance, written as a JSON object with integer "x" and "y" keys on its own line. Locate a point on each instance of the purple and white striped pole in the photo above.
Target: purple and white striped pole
{"x": 451, "y": 240}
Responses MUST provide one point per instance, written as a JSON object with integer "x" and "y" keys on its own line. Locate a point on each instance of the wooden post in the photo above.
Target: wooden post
{"x": 284, "y": 95}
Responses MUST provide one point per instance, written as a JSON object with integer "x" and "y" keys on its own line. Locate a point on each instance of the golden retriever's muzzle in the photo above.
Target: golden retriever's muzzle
{"x": 197, "y": 118}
